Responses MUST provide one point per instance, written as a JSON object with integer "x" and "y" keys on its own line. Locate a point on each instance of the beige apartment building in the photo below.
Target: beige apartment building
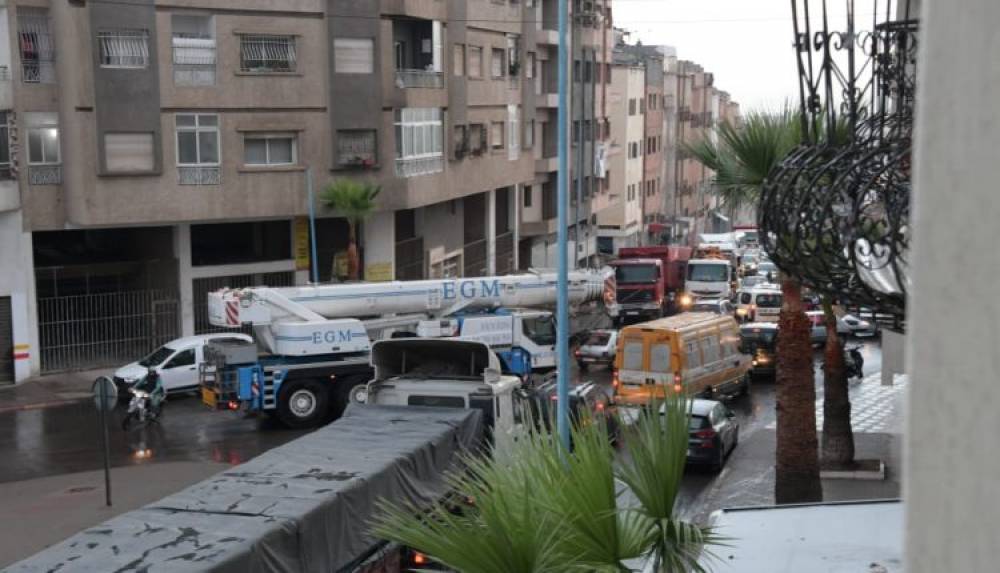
{"x": 160, "y": 150}
{"x": 620, "y": 222}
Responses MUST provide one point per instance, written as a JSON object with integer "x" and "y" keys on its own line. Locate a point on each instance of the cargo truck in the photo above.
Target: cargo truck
{"x": 648, "y": 282}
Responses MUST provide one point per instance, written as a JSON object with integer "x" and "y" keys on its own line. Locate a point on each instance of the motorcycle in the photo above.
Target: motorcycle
{"x": 146, "y": 404}
{"x": 854, "y": 363}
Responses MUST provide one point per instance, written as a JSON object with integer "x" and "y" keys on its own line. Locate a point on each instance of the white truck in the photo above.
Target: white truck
{"x": 707, "y": 278}
{"x": 308, "y": 505}
{"x": 313, "y": 342}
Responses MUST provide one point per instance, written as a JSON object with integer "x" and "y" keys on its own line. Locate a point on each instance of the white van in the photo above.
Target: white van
{"x": 176, "y": 362}
{"x": 759, "y": 303}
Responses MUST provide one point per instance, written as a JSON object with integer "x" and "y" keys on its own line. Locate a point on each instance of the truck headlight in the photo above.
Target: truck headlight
{"x": 686, "y": 300}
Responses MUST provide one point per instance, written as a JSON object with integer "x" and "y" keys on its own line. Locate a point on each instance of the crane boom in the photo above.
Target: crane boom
{"x": 438, "y": 297}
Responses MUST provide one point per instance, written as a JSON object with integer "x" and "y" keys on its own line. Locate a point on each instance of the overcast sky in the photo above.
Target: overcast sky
{"x": 747, "y": 44}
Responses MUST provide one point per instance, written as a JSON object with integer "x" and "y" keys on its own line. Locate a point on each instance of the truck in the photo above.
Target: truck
{"x": 311, "y": 356}
{"x": 710, "y": 274}
{"x": 648, "y": 282}
{"x": 308, "y": 505}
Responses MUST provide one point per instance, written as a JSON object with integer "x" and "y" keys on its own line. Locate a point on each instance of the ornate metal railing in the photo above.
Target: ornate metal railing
{"x": 835, "y": 213}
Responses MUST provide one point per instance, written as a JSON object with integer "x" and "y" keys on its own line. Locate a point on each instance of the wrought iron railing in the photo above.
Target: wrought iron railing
{"x": 198, "y": 175}
{"x": 835, "y": 214}
{"x": 412, "y": 167}
{"x": 419, "y": 79}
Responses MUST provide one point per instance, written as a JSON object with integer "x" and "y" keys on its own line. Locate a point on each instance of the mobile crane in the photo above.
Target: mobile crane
{"x": 313, "y": 342}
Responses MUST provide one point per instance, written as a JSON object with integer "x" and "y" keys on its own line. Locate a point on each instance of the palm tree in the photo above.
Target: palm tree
{"x": 742, "y": 158}
{"x": 355, "y": 201}
{"x": 838, "y": 439}
{"x": 544, "y": 508}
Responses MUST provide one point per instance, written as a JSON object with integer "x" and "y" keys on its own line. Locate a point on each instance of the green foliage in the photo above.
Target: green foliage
{"x": 355, "y": 200}
{"x": 545, "y": 509}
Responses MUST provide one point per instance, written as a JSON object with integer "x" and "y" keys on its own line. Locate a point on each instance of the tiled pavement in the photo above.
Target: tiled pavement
{"x": 874, "y": 408}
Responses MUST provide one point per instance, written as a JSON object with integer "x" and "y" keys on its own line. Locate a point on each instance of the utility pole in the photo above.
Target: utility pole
{"x": 562, "y": 277}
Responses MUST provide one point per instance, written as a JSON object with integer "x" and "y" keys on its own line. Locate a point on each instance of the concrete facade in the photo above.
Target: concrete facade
{"x": 620, "y": 223}
{"x": 949, "y": 481}
{"x": 186, "y": 115}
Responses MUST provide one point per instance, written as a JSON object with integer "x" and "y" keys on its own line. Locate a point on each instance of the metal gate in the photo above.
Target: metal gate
{"x": 201, "y": 288}
{"x": 105, "y": 329}
{"x": 6, "y": 342}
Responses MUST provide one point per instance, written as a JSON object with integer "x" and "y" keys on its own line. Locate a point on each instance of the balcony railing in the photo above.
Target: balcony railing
{"x": 45, "y": 174}
{"x": 419, "y": 79}
{"x": 412, "y": 167}
{"x": 197, "y": 175}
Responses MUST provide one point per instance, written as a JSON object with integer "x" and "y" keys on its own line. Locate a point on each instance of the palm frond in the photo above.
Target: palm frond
{"x": 352, "y": 199}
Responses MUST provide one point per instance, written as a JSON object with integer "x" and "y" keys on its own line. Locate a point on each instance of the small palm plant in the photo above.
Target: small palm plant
{"x": 355, "y": 200}
{"x": 546, "y": 509}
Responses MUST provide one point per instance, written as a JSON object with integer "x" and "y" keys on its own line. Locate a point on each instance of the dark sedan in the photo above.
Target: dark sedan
{"x": 759, "y": 340}
{"x": 713, "y": 434}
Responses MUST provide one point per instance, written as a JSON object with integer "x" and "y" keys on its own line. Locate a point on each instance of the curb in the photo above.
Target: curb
{"x": 40, "y": 405}
{"x": 874, "y": 475}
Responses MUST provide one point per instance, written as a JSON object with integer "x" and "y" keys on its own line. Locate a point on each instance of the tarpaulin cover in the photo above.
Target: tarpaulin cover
{"x": 304, "y": 506}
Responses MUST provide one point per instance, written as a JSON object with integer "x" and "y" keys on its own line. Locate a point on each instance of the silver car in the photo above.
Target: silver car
{"x": 598, "y": 348}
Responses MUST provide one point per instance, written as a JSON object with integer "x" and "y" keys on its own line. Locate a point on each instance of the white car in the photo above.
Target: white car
{"x": 859, "y": 327}
{"x": 176, "y": 362}
{"x": 598, "y": 348}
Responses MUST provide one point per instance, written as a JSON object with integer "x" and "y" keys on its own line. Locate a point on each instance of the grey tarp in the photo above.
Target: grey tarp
{"x": 301, "y": 507}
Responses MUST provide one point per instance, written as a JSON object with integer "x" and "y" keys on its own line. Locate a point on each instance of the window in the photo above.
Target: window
{"x": 528, "y": 193}
{"x": 128, "y": 152}
{"x": 576, "y": 131}
{"x": 710, "y": 350}
{"x": 477, "y": 138}
{"x": 496, "y": 63}
{"x": 460, "y": 139}
{"x": 632, "y": 359}
{"x": 529, "y": 134}
{"x": 529, "y": 61}
{"x": 693, "y": 354}
{"x": 269, "y": 149}
{"x": 513, "y": 56}
{"x": 354, "y": 55}
{"x": 419, "y": 141}
{"x": 37, "y": 48}
{"x": 124, "y": 48}
{"x": 43, "y": 144}
{"x": 496, "y": 134}
{"x": 458, "y": 60}
{"x": 631, "y": 106}
{"x": 197, "y": 139}
{"x": 266, "y": 53}
{"x": 5, "y": 172}
{"x": 475, "y": 62}
{"x": 356, "y": 148}
{"x": 642, "y": 106}
{"x": 181, "y": 359}
{"x": 194, "y": 50}
{"x": 659, "y": 358}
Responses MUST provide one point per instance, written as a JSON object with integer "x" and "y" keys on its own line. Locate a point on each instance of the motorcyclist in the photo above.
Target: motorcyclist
{"x": 152, "y": 384}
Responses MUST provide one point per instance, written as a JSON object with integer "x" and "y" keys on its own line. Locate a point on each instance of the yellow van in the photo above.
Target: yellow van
{"x": 694, "y": 353}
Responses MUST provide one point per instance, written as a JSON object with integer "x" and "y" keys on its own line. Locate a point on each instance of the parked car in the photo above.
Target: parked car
{"x": 761, "y": 303}
{"x": 177, "y": 362}
{"x": 759, "y": 340}
{"x": 598, "y": 348}
{"x": 586, "y": 399}
{"x": 713, "y": 305}
{"x": 818, "y": 321}
{"x": 713, "y": 433}
{"x": 752, "y": 281}
{"x": 859, "y": 327}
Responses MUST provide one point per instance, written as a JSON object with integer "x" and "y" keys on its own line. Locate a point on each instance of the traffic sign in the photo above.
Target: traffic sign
{"x": 105, "y": 393}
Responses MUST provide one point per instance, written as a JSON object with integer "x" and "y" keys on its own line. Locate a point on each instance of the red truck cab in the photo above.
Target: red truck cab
{"x": 648, "y": 280}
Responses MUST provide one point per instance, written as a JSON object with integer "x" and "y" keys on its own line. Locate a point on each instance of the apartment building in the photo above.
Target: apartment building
{"x": 588, "y": 129}
{"x": 620, "y": 222}
{"x": 170, "y": 148}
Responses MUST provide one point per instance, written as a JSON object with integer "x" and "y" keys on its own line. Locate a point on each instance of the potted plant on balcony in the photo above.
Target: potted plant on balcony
{"x": 355, "y": 201}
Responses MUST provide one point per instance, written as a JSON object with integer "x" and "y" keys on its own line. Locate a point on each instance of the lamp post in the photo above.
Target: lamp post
{"x": 562, "y": 196}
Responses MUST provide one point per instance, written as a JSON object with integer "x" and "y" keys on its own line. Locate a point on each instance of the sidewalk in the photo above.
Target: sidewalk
{"x": 50, "y": 390}
{"x": 41, "y": 512}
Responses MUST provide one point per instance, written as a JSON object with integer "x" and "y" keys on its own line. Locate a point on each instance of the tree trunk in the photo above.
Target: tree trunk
{"x": 838, "y": 440}
{"x": 796, "y": 456}
{"x": 353, "y": 263}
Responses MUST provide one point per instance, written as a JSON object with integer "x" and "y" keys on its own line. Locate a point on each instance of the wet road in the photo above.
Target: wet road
{"x": 65, "y": 439}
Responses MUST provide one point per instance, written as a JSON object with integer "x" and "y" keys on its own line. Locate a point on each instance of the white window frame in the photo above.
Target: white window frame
{"x": 529, "y": 69}
{"x": 363, "y": 44}
{"x": 513, "y": 132}
{"x": 124, "y": 48}
{"x": 497, "y": 143}
{"x": 529, "y": 134}
{"x": 426, "y": 123}
{"x": 267, "y": 137}
{"x": 45, "y": 160}
{"x": 197, "y": 128}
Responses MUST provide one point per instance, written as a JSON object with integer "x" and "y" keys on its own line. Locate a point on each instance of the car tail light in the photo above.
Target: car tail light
{"x": 600, "y": 406}
{"x": 614, "y": 379}
{"x": 419, "y": 558}
{"x": 707, "y": 436}
{"x": 234, "y": 405}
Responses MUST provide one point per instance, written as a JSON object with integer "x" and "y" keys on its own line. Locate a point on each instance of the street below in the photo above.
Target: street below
{"x": 51, "y": 453}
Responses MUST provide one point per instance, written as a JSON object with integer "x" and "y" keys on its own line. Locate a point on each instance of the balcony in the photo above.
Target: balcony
{"x": 417, "y": 53}
{"x": 419, "y": 79}
{"x": 45, "y": 174}
{"x": 413, "y": 167}
{"x": 199, "y": 175}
